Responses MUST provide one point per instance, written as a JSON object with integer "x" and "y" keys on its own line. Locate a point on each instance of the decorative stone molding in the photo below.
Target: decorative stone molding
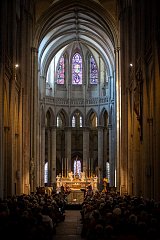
{"x": 76, "y": 102}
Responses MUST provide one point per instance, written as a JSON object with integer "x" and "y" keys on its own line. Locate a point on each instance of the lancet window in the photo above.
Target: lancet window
{"x": 77, "y": 69}
{"x": 93, "y": 71}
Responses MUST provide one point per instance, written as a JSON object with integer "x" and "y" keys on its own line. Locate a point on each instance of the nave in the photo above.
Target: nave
{"x": 70, "y": 229}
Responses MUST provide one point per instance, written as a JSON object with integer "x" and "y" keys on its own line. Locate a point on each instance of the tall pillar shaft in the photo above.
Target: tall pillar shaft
{"x": 105, "y": 150}
{"x": 111, "y": 160}
{"x": 100, "y": 153}
{"x": 42, "y": 163}
{"x": 34, "y": 114}
{"x": 68, "y": 150}
{"x": 118, "y": 116}
{"x": 53, "y": 155}
{"x": 49, "y": 155}
{"x": 85, "y": 149}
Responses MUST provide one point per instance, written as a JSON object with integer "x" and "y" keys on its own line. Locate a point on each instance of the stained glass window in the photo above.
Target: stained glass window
{"x": 77, "y": 167}
{"x": 60, "y": 71}
{"x": 46, "y": 173}
{"x": 108, "y": 171}
{"x": 77, "y": 69}
{"x": 93, "y": 71}
{"x": 80, "y": 119}
{"x": 77, "y": 120}
{"x": 73, "y": 121}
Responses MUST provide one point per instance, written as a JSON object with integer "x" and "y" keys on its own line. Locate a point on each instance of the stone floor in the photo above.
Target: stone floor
{"x": 70, "y": 229}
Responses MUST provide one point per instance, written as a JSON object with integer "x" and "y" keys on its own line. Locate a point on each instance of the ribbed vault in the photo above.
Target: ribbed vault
{"x": 85, "y": 22}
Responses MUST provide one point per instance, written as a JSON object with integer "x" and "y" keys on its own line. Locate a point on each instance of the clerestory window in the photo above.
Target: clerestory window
{"x": 93, "y": 71}
{"x": 61, "y": 71}
{"x": 77, "y": 69}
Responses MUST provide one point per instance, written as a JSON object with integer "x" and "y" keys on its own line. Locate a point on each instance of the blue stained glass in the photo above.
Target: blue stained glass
{"x": 77, "y": 167}
{"x": 60, "y": 71}
{"x": 77, "y": 69}
{"x": 93, "y": 71}
{"x": 46, "y": 173}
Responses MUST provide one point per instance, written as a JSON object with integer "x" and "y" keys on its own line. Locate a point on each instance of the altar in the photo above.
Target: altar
{"x": 76, "y": 186}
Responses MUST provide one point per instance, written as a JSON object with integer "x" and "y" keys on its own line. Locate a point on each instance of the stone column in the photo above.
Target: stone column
{"x": 53, "y": 157}
{"x": 118, "y": 117}
{"x": 111, "y": 159}
{"x": 49, "y": 155}
{"x": 149, "y": 168}
{"x": 2, "y": 42}
{"x": 105, "y": 150}
{"x": 42, "y": 84}
{"x": 42, "y": 155}
{"x": 34, "y": 113}
{"x": 5, "y": 173}
{"x": 68, "y": 166}
{"x": 85, "y": 149}
{"x": 100, "y": 156}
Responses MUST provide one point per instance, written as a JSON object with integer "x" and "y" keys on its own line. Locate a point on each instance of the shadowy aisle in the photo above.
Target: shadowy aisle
{"x": 70, "y": 229}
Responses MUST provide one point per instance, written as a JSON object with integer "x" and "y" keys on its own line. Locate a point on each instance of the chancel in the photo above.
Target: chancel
{"x": 76, "y": 183}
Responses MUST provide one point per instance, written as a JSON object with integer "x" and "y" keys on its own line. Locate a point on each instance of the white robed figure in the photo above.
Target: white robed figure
{"x": 70, "y": 175}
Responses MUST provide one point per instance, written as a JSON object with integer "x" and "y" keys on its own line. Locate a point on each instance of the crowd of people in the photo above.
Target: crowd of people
{"x": 108, "y": 216}
{"x": 32, "y": 216}
{"x": 104, "y": 216}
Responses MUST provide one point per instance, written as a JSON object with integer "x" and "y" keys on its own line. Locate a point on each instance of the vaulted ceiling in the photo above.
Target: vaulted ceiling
{"x": 60, "y": 23}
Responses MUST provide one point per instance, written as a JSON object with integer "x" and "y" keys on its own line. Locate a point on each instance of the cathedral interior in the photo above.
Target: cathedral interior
{"x": 80, "y": 94}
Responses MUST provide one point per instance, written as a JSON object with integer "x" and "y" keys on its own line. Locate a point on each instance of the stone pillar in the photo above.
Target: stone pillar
{"x": 85, "y": 149}
{"x": 105, "y": 150}
{"x": 42, "y": 163}
{"x": 68, "y": 166}
{"x": 34, "y": 113}
{"x": 5, "y": 173}
{"x": 53, "y": 157}
{"x": 111, "y": 159}
{"x": 100, "y": 156}
{"x": 118, "y": 117}
{"x": 49, "y": 155}
{"x": 2, "y": 37}
{"x": 42, "y": 83}
{"x": 149, "y": 168}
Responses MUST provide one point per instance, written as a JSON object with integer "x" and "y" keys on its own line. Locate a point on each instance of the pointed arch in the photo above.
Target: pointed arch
{"x": 93, "y": 70}
{"x": 61, "y": 119}
{"x": 92, "y": 118}
{"x": 77, "y": 68}
{"x": 103, "y": 118}
{"x": 77, "y": 119}
{"x": 60, "y": 71}
{"x": 77, "y": 160}
{"x": 49, "y": 118}
{"x": 105, "y": 38}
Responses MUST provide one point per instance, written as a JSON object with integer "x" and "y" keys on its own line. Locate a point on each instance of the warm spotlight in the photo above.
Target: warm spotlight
{"x": 16, "y": 65}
